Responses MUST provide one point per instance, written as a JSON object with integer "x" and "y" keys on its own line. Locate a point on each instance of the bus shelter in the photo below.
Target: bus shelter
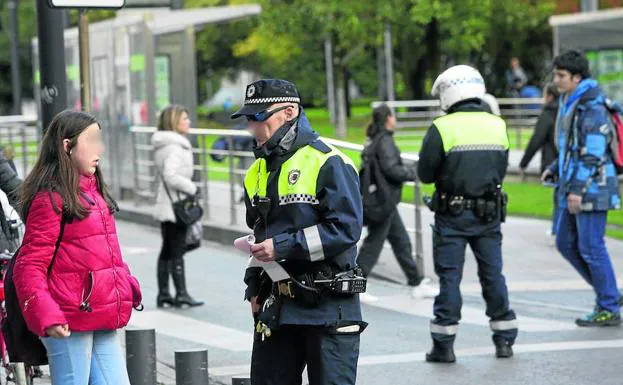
{"x": 140, "y": 63}
{"x": 599, "y": 35}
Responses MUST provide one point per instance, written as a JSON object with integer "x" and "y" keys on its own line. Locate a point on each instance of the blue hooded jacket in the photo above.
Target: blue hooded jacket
{"x": 585, "y": 166}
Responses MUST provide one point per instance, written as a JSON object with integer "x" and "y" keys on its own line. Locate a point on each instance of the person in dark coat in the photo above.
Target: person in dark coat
{"x": 543, "y": 139}
{"x": 380, "y": 135}
{"x": 543, "y": 136}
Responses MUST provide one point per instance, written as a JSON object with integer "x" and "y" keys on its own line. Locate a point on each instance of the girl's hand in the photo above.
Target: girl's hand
{"x": 58, "y": 331}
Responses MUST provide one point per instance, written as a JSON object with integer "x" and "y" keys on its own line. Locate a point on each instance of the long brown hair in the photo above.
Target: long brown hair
{"x": 379, "y": 120}
{"x": 54, "y": 170}
{"x": 170, "y": 117}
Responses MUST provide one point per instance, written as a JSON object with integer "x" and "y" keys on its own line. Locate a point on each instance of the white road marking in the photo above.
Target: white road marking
{"x": 469, "y": 352}
{"x": 189, "y": 329}
{"x": 470, "y": 315}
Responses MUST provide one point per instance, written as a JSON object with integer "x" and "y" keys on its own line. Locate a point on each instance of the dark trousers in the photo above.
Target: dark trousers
{"x": 449, "y": 245}
{"x": 580, "y": 239}
{"x": 392, "y": 229}
{"x": 280, "y": 359}
{"x": 173, "y": 241}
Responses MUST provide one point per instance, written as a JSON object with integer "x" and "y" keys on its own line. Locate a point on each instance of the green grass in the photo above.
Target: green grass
{"x": 525, "y": 199}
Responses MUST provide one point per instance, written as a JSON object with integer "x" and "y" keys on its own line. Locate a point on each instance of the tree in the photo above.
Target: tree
{"x": 27, "y": 19}
{"x": 290, "y": 35}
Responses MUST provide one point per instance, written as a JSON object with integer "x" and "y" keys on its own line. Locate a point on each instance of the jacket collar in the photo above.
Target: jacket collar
{"x": 166, "y": 138}
{"x": 88, "y": 183}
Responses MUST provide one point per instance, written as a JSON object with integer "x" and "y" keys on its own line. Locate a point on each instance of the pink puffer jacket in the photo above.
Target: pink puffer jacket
{"x": 89, "y": 287}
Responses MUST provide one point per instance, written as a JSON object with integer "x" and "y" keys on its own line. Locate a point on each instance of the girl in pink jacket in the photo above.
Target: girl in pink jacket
{"x": 74, "y": 299}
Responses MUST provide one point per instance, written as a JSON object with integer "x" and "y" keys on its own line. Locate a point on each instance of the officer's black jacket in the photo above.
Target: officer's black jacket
{"x": 469, "y": 173}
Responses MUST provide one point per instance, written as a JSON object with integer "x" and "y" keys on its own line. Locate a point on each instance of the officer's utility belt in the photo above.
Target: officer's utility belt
{"x": 310, "y": 289}
{"x": 488, "y": 207}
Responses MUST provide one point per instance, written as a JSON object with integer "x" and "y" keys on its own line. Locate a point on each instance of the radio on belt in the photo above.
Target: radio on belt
{"x": 349, "y": 282}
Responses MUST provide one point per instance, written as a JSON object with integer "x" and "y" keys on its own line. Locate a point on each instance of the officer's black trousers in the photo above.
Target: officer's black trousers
{"x": 395, "y": 232}
{"x": 280, "y": 359}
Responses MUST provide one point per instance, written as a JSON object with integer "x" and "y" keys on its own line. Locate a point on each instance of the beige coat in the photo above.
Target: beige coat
{"x": 174, "y": 163}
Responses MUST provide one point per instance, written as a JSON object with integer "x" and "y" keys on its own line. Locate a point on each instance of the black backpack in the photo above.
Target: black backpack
{"x": 377, "y": 201}
{"x": 22, "y": 344}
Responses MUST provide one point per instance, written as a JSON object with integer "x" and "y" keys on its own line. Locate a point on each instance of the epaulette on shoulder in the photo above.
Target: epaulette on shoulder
{"x": 320, "y": 146}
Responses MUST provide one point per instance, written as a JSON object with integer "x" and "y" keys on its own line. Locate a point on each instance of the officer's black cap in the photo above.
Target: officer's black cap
{"x": 264, "y": 93}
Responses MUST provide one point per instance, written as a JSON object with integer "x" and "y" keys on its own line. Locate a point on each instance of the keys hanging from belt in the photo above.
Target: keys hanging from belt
{"x": 263, "y": 329}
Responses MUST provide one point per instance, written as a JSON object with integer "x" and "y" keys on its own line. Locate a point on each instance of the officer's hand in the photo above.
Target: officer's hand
{"x": 255, "y": 307}
{"x": 264, "y": 252}
{"x": 547, "y": 174}
{"x": 574, "y": 203}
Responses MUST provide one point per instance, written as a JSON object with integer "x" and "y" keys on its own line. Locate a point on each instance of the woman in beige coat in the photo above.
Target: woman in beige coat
{"x": 174, "y": 163}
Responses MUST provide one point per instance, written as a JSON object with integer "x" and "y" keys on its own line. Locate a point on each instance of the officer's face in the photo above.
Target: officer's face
{"x": 262, "y": 131}
{"x": 566, "y": 82}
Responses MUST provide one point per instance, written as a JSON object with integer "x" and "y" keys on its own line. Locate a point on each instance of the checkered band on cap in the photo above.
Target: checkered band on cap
{"x": 277, "y": 99}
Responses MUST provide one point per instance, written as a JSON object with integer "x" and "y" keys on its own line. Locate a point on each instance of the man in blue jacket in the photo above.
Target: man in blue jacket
{"x": 588, "y": 185}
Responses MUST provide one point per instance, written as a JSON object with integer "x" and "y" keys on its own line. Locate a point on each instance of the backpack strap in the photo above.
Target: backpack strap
{"x": 58, "y": 241}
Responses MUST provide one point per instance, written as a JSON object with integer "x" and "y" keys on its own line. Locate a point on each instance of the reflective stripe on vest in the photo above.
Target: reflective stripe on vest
{"x": 472, "y": 131}
{"x": 298, "y": 178}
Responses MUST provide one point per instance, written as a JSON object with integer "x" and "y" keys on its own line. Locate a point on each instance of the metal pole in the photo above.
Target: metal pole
{"x": 141, "y": 356}
{"x": 232, "y": 182}
{"x": 25, "y": 151}
{"x": 137, "y": 198}
{"x": 191, "y": 367}
{"x": 419, "y": 244}
{"x": 51, "y": 62}
{"x": 589, "y": 5}
{"x": 85, "y": 66}
{"x": 16, "y": 83}
{"x": 204, "y": 177}
{"x": 389, "y": 63}
{"x": 328, "y": 57}
{"x": 240, "y": 381}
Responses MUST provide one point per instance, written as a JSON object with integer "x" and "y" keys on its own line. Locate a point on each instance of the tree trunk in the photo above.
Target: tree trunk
{"x": 340, "y": 125}
{"x": 347, "y": 92}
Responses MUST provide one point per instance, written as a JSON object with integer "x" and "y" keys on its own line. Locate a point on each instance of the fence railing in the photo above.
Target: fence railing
{"x": 414, "y": 116}
{"x": 228, "y": 175}
{"x": 19, "y": 140}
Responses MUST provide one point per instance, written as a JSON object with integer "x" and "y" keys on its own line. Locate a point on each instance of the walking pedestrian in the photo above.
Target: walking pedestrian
{"x": 174, "y": 164}
{"x": 383, "y": 151}
{"x": 73, "y": 287}
{"x": 587, "y": 183}
{"x": 543, "y": 138}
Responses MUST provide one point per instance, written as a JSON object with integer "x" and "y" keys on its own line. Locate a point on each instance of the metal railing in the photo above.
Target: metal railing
{"x": 415, "y": 116}
{"x": 19, "y": 140}
{"x": 214, "y": 174}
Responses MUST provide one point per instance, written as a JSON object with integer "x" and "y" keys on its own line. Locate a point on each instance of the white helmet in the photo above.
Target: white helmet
{"x": 493, "y": 104}
{"x": 458, "y": 83}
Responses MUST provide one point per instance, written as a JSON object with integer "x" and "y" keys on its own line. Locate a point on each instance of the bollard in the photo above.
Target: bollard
{"x": 141, "y": 356}
{"x": 240, "y": 381}
{"x": 191, "y": 367}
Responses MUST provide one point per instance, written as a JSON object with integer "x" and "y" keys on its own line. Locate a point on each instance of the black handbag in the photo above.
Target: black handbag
{"x": 188, "y": 210}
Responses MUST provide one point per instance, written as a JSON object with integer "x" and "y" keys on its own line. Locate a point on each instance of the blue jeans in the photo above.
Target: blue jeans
{"x": 93, "y": 358}
{"x": 580, "y": 239}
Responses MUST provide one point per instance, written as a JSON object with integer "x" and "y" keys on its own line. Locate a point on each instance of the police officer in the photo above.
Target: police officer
{"x": 304, "y": 206}
{"x": 465, "y": 153}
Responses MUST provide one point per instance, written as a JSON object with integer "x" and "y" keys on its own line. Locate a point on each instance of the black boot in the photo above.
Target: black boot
{"x": 164, "y": 296}
{"x": 503, "y": 350}
{"x": 179, "y": 280}
{"x": 442, "y": 353}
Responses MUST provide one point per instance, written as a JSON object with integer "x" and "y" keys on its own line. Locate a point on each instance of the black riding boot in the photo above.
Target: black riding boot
{"x": 179, "y": 280}
{"x": 164, "y": 296}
